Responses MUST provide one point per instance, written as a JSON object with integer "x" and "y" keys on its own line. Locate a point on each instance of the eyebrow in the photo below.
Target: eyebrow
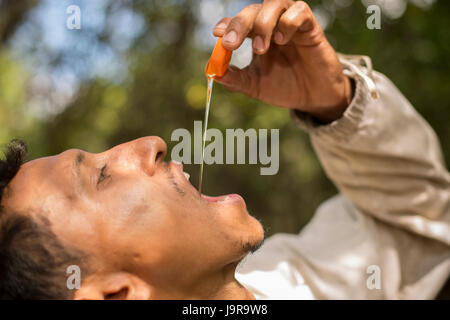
{"x": 76, "y": 163}
{"x": 78, "y": 160}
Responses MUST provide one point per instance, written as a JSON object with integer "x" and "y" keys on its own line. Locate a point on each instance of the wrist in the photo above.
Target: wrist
{"x": 332, "y": 113}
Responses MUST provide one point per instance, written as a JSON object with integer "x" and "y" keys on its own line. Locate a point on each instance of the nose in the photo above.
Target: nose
{"x": 148, "y": 152}
{"x": 151, "y": 151}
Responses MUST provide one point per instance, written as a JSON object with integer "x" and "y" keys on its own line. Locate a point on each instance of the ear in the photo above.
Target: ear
{"x": 121, "y": 285}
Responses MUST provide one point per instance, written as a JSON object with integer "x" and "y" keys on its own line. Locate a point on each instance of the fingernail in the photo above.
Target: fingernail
{"x": 278, "y": 37}
{"x": 221, "y": 26}
{"x": 230, "y": 37}
{"x": 258, "y": 44}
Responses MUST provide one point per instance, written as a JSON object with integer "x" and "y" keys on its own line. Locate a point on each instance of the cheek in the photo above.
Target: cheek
{"x": 128, "y": 197}
{"x": 138, "y": 208}
{"x": 77, "y": 226}
{"x": 152, "y": 217}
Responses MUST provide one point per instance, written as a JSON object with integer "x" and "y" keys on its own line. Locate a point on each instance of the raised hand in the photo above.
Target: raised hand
{"x": 293, "y": 64}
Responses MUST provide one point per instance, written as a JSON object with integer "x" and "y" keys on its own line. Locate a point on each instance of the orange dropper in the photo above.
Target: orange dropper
{"x": 219, "y": 60}
{"x": 216, "y": 67}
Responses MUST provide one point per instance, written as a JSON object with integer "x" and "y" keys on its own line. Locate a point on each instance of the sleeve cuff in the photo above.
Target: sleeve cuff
{"x": 349, "y": 122}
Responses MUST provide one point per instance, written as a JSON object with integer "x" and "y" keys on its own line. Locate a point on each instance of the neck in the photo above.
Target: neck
{"x": 232, "y": 291}
{"x": 219, "y": 285}
{"x": 223, "y": 285}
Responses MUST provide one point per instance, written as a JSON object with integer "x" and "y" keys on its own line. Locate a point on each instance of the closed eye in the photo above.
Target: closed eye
{"x": 103, "y": 175}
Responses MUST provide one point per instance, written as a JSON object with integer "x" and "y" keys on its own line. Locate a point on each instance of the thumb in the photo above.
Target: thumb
{"x": 235, "y": 79}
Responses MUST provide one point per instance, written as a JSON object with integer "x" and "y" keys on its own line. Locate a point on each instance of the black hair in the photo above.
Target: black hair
{"x": 15, "y": 154}
{"x": 33, "y": 262}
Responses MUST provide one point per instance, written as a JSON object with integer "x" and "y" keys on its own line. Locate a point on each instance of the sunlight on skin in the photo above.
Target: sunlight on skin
{"x": 133, "y": 212}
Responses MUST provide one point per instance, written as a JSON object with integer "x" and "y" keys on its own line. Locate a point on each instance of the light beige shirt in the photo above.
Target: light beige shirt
{"x": 387, "y": 234}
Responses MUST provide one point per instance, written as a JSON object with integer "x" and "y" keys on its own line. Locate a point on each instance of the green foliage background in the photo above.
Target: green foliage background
{"x": 163, "y": 88}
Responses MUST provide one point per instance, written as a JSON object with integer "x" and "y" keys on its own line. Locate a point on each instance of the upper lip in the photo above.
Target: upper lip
{"x": 178, "y": 169}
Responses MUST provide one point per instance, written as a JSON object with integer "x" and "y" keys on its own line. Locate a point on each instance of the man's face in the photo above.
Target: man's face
{"x": 135, "y": 213}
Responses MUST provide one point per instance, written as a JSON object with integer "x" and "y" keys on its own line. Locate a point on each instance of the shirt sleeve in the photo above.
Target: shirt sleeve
{"x": 383, "y": 156}
{"x": 387, "y": 235}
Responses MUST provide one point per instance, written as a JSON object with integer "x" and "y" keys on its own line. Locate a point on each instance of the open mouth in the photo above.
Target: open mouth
{"x": 225, "y": 198}
{"x": 228, "y": 198}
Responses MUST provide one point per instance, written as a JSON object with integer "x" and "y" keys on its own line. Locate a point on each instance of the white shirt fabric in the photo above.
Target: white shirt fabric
{"x": 387, "y": 234}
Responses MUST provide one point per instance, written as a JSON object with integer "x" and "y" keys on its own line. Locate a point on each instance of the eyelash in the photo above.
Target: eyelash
{"x": 102, "y": 175}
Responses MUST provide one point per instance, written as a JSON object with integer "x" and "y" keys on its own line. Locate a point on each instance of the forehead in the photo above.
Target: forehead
{"x": 42, "y": 179}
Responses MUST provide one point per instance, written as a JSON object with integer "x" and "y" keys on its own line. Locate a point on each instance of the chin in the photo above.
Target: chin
{"x": 255, "y": 237}
{"x": 260, "y": 236}
{"x": 233, "y": 213}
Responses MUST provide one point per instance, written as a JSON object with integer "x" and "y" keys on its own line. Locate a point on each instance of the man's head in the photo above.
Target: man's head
{"x": 145, "y": 229}
{"x": 32, "y": 260}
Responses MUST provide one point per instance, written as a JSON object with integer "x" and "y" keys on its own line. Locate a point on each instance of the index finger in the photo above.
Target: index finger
{"x": 240, "y": 26}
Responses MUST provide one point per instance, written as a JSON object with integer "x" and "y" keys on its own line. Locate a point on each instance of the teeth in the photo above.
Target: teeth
{"x": 186, "y": 175}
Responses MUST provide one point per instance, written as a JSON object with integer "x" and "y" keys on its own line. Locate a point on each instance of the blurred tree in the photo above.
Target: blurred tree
{"x": 12, "y": 15}
{"x": 136, "y": 68}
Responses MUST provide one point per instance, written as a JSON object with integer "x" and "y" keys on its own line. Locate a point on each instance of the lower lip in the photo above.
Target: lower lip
{"x": 229, "y": 198}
